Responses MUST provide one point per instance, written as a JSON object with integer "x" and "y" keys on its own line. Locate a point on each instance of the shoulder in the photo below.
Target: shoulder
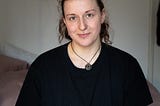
{"x": 54, "y": 52}
{"x": 48, "y": 63}
{"x": 121, "y": 60}
{"x": 123, "y": 64}
{"x": 51, "y": 56}
{"x": 117, "y": 54}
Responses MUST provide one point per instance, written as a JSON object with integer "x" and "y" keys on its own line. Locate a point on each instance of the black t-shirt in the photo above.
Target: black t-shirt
{"x": 84, "y": 81}
{"x": 116, "y": 80}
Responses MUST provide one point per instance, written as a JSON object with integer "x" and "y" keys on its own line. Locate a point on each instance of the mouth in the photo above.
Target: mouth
{"x": 84, "y": 35}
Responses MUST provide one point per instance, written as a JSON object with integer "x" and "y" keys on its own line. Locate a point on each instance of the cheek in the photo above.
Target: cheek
{"x": 71, "y": 29}
{"x": 96, "y": 25}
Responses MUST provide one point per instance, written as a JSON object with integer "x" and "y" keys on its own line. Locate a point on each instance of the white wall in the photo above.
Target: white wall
{"x": 156, "y": 59}
{"x": 2, "y": 19}
{"x": 32, "y": 25}
{"x": 130, "y": 27}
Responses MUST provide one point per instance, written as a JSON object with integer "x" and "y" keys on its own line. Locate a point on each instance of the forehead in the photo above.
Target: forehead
{"x": 76, "y": 6}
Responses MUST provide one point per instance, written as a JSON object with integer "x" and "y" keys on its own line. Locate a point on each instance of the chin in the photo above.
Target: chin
{"x": 87, "y": 43}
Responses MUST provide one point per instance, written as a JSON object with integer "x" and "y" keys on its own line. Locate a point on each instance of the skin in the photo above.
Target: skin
{"x": 83, "y": 20}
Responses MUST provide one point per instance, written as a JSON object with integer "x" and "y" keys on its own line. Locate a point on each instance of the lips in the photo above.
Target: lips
{"x": 84, "y": 35}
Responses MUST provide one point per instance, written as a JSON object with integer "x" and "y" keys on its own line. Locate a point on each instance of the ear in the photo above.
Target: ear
{"x": 103, "y": 16}
{"x": 64, "y": 20}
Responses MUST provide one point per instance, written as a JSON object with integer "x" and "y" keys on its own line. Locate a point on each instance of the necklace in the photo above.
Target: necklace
{"x": 88, "y": 66}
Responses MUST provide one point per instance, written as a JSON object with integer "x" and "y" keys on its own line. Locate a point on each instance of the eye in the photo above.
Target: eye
{"x": 72, "y": 18}
{"x": 89, "y": 15}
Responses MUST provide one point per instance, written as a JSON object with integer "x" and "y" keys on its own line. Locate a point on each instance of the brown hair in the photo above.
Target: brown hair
{"x": 63, "y": 33}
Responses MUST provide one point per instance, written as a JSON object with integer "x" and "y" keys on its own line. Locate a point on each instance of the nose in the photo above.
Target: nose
{"x": 82, "y": 24}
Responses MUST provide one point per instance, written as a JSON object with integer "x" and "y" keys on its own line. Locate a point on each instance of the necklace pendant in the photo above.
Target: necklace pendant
{"x": 88, "y": 66}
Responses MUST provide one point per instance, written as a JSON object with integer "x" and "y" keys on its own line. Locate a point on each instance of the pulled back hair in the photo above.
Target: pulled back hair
{"x": 63, "y": 33}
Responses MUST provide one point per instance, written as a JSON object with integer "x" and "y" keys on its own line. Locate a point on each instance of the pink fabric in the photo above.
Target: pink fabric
{"x": 10, "y": 85}
{"x": 155, "y": 95}
{"x": 11, "y": 64}
{"x": 12, "y": 75}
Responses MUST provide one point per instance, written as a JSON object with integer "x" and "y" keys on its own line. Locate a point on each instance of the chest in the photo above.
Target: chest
{"x": 59, "y": 89}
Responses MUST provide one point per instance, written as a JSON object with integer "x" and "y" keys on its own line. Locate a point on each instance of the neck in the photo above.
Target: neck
{"x": 86, "y": 52}
{"x": 83, "y": 57}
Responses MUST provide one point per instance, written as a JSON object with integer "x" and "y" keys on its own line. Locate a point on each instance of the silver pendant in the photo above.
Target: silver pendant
{"x": 88, "y": 66}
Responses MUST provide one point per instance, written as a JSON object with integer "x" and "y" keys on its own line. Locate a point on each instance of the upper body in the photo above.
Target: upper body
{"x": 85, "y": 71}
{"x": 116, "y": 76}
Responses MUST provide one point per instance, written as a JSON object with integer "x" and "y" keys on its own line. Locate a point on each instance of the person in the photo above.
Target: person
{"x": 87, "y": 70}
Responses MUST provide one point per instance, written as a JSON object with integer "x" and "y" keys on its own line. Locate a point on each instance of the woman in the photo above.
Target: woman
{"x": 85, "y": 71}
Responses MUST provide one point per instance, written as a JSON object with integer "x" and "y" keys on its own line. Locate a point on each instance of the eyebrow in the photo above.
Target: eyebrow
{"x": 85, "y": 12}
{"x": 90, "y": 10}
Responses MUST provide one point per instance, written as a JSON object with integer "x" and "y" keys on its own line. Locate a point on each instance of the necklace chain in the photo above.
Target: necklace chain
{"x": 88, "y": 66}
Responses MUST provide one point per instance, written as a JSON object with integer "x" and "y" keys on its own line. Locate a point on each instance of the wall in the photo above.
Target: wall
{"x": 130, "y": 23}
{"x": 156, "y": 59}
{"x": 2, "y": 19}
{"x": 32, "y": 25}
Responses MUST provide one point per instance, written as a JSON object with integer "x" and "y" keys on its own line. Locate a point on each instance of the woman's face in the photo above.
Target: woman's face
{"x": 83, "y": 20}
